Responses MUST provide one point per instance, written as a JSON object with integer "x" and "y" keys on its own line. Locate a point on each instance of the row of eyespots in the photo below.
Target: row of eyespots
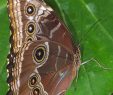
{"x": 39, "y": 56}
{"x": 32, "y": 83}
{"x": 30, "y": 10}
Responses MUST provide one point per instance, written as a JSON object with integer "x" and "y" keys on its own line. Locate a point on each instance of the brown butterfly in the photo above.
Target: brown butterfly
{"x": 43, "y": 59}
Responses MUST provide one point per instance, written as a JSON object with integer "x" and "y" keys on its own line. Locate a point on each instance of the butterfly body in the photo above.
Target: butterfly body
{"x": 42, "y": 59}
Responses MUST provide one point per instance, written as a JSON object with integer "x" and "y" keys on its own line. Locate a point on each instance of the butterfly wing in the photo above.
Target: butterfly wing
{"x": 42, "y": 57}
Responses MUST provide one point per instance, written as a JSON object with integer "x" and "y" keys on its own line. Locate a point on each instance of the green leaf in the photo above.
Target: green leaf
{"x": 4, "y": 46}
{"x": 90, "y": 22}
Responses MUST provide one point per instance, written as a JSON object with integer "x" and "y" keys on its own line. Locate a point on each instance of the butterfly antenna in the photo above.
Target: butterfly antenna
{"x": 97, "y": 62}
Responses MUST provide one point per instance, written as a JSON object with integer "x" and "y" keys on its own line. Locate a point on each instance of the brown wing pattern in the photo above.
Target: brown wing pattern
{"x": 42, "y": 59}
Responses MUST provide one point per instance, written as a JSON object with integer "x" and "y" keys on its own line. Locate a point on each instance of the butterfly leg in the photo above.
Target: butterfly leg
{"x": 94, "y": 60}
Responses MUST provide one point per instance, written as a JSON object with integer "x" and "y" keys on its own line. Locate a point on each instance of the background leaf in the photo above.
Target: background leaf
{"x": 89, "y": 20}
{"x": 4, "y": 46}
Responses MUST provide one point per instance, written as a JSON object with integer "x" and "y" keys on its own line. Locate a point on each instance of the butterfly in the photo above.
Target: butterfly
{"x": 43, "y": 59}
